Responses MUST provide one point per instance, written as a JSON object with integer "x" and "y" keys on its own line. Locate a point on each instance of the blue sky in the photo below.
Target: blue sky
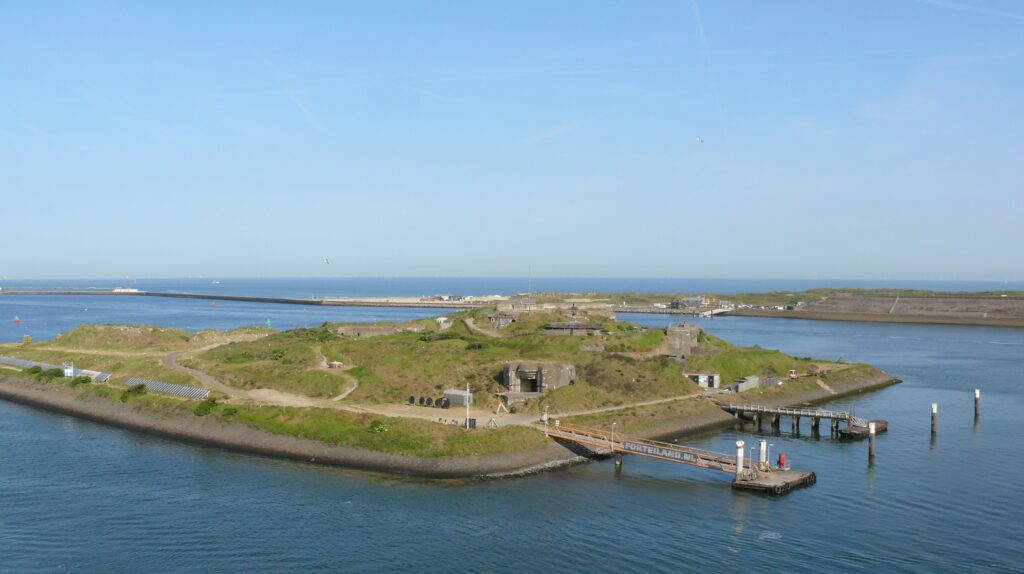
{"x": 848, "y": 139}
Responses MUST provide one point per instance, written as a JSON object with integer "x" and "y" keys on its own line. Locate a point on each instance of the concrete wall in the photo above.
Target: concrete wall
{"x": 549, "y": 376}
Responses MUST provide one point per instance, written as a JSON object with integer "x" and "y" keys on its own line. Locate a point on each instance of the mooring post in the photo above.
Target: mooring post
{"x": 871, "y": 440}
{"x": 835, "y": 426}
{"x": 935, "y": 416}
{"x": 762, "y": 457}
{"x": 977, "y": 402}
{"x": 739, "y": 459}
{"x": 618, "y": 460}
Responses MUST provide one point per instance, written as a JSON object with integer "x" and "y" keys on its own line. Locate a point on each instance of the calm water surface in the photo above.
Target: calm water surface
{"x": 82, "y": 497}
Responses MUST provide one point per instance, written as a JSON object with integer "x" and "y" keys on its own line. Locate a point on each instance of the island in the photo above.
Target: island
{"x": 456, "y": 396}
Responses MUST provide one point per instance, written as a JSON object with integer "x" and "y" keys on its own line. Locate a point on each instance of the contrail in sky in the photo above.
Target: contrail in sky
{"x": 975, "y": 9}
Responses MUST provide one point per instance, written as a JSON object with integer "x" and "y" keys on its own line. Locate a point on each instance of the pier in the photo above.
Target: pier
{"x": 856, "y": 427}
{"x": 757, "y": 475}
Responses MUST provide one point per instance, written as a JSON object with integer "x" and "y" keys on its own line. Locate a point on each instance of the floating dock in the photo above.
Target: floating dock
{"x": 759, "y": 475}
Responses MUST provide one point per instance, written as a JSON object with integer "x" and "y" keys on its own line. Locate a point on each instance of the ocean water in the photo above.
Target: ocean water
{"x": 81, "y": 497}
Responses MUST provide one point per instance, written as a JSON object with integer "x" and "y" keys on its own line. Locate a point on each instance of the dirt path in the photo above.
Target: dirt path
{"x": 353, "y": 382}
{"x": 822, "y": 384}
{"x": 483, "y": 332}
{"x": 641, "y": 404}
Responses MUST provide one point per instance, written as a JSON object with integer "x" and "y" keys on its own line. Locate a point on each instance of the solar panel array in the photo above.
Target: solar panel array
{"x": 26, "y": 364}
{"x": 169, "y": 388}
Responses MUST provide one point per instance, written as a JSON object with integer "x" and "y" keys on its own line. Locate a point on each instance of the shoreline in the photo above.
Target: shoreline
{"x": 874, "y": 318}
{"x": 238, "y": 437}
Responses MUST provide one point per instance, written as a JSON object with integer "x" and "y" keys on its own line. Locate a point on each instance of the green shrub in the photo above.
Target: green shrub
{"x": 378, "y": 426}
{"x": 53, "y": 373}
{"x": 204, "y": 408}
{"x": 133, "y": 391}
{"x": 229, "y": 412}
{"x": 80, "y": 380}
{"x": 35, "y": 370}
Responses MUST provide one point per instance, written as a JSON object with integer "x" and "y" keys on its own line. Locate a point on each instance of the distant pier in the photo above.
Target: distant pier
{"x": 322, "y": 301}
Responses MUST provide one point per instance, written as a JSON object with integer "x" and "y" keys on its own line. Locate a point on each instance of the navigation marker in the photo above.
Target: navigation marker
{"x": 17, "y": 319}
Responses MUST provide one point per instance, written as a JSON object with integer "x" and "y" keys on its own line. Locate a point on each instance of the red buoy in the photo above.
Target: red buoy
{"x": 782, "y": 460}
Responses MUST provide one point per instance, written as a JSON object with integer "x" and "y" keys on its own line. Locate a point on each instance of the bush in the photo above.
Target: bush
{"x": 80, "y": 380}
{"x": 378, "y": 426}
{"x": 229, "y": 412}
{"x": 204, "y": 408}
{"x": 53, "y": 373}
{"x": 34, "y": 370}
{"x": 133, "y": 391}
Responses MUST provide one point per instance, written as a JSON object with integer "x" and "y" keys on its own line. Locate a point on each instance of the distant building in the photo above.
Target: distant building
{"x": 460, "y": 397}
{"x": 688, "y": 303}
{"x": 501, "y": 320}
{"x": 537, "y": 377}
{"x": 681, "y": 340}
{"x": 745, "y": 383}
{"x": 443, "y": 323}
{"x": 571, "y": 329}
{"x": 706, "y": 380}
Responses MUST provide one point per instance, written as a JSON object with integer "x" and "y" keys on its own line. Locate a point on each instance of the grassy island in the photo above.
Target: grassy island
{"x": 350, "y": 385}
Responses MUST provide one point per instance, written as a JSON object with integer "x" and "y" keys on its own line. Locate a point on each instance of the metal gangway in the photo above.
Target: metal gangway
{"x": 618, "y": 444}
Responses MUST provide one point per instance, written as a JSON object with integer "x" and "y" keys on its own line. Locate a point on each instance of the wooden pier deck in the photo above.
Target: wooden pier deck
{"x": 759, "y": 476}
{"x": 856, "y": 427}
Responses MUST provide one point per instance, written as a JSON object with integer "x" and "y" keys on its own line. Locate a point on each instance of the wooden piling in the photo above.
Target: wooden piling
{"x": 796, "y": 424}
{"x": 815, "y": 425}
{"x": 977, "y": 402}
{"x": 935, "y": 416}
{"x": 871, "y": 440}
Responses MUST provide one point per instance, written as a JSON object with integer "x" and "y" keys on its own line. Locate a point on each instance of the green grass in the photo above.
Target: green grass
{"x": 403, "y": 436}
{"x": 123, "y": 337}
{"x": 120, "y": 367}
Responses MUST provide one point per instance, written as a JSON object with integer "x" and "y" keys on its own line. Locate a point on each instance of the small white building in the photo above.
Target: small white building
{"x": 460, "y": 397}
{"x": 706, "y": 380}
{"x": 443, "y": 323}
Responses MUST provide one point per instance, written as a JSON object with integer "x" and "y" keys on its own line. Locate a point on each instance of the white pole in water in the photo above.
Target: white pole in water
{"x": 871, "y": 439}
{"x": 935, "y": 416}
{"x": 977, "y": 402}
{"x": 739, "y": 458}
{"x": 764, "y": 453}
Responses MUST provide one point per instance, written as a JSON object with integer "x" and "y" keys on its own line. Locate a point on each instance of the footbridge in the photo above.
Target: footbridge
{"x": 757, "y": 475}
